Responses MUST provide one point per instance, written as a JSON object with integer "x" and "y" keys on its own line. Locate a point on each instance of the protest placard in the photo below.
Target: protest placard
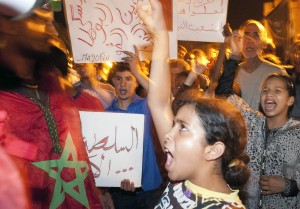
{"x": 101, "y": 30}
{"x": 114, "y": 143}
{"x": 201, "y": 20}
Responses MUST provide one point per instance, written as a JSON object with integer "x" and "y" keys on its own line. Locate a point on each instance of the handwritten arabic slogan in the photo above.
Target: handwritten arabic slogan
{"x": 101, "y": 29}
{"x": 201, "y": 20}
{"x": 114, "y": 143}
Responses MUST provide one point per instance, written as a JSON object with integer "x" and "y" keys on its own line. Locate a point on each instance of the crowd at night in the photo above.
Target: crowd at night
{"x": 105, "y": 108}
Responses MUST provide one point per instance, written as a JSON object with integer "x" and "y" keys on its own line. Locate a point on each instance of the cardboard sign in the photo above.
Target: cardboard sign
{"x": 101, "y": 29}
{"x": 114, "y": 143}
{"x": 201, "y": 20}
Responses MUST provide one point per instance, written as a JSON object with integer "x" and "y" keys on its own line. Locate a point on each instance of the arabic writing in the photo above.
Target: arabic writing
{"x": 200, "y": 7}
{"x": 101, "y": 146}
{"x": 201, "y": 20}
{"x": 186, "y": 25}
{"x": 101, "y": 26}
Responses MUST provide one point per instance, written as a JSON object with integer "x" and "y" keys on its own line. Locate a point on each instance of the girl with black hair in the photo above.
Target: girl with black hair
{"x": 204, "y": 142}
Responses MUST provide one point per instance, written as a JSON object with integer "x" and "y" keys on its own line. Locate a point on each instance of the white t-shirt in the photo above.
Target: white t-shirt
{"x": 251, "y": 83}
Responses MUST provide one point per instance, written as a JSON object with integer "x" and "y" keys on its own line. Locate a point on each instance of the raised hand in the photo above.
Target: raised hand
{"x": 152, "y": 15}
{"x": 133, "y": 60}
{"x": 198, "y": 66}
{"x": 227, "y": 32}
{"x": 233, "y": 38}
{"x": 235, "y": 43}
{"x": 159, "y": 94}
{"x": 135, "y": 67}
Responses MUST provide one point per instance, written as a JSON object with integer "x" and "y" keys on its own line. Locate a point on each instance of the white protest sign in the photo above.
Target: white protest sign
{"x": 114, "y": 143}
{"x": 201, "y": 20}
{"x": 101, "y": 29}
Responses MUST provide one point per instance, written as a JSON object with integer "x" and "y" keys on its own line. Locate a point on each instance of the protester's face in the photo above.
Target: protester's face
{"x": 274, "y": 98}
{"x": 295, "y": 54}
{"x": 184, "y": 145}
{"x": 251, "y": 41}
{"x": 86, "y": 70}
{"x": 125, "y": 84}
{"x": 179, "y": 80}
{"x": 181, "y": 53}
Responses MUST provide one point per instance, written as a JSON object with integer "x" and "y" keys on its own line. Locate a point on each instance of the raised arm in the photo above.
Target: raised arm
{"x": 135, "y": 67}
{"x": 220, "y": 82}
{"x": 159, "y": 92}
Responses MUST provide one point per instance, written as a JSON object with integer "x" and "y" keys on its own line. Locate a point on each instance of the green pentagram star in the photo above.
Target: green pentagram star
{"x": 54, "y": 169}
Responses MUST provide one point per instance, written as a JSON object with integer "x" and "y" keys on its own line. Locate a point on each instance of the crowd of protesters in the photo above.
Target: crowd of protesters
{"x": 220, "y": 131}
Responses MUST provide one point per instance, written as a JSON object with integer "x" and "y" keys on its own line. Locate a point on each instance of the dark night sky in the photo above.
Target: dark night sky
{"x": 241, "y": 10}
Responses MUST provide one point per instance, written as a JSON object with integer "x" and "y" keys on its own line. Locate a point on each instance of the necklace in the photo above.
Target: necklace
{"x": 33, "y": 87}
{"x": 30, "y": 86}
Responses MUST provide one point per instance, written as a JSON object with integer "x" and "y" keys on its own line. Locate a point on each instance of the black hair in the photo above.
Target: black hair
{"x": 223, "y": 122}
{"x": 56, "y": 59}
{"x": 8, "y": 79}
{"x": 290, "y": 86}
{"x": 118, "y": 67}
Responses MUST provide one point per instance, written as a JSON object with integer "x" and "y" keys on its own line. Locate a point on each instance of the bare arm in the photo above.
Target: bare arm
{"x": 134, "y": 62}
{"x": 159, "y": 92}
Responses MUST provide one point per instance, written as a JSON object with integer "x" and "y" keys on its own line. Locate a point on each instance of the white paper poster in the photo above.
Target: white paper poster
{"x": 114, "y": 143}
{"x": 201, "y": 20}
{"x": 101, "y": 29}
